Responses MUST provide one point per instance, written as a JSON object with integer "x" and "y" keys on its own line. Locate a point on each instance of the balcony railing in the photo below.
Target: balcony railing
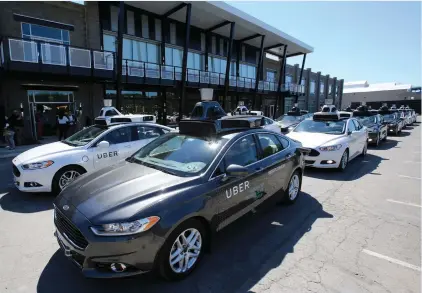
{"x": 39, "y": 52}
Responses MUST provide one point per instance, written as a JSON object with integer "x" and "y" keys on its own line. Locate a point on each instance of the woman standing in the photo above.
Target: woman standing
{"x": 63, "y": 124}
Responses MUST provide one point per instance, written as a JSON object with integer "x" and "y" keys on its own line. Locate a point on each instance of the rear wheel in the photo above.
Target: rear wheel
{"x": 64, "y": 177}
{"x": 293, "y": 189}
{"x": 344, "y": 161}
{"x": 182, "y": 251}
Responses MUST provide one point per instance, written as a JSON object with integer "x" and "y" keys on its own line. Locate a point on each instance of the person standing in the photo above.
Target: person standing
{"x": 63, "y": 124}
{"x": 9, "y": 135}
{"x": 16, "y": 123}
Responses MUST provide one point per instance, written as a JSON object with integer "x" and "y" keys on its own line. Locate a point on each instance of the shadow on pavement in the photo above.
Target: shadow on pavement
{"x": 237, "y": 259}
{"x": 20, "y": 202}
{"x": 356, "y": 169}
{"x": 385, "y": 145}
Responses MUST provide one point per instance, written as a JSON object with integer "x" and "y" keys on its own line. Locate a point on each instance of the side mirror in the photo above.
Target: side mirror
{"x": 236, "y": 171}
{"x": 349, "y": 132}
{"x": 103, "y": 144}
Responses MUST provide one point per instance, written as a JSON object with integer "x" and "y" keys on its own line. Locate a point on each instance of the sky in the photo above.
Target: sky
{"x": 374, "y": 41}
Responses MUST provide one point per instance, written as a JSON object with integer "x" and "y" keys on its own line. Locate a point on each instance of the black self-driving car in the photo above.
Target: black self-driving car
{"x": 392, "y": 119}
{"x": 290, "y": 120}
{"x": 377, "y": 130}
{"x": 158, "y": 209}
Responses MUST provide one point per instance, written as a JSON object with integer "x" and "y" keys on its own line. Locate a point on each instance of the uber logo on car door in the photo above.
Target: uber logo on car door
{"x": 107, "y": 155}
{"x": 237, "y": 189}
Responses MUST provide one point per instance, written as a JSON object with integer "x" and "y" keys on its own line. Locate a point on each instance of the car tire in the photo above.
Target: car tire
{"x": 364, "y": 150}
{"x": 58, "y": 179}
{"x": 344, "y": 161}
{"x": 378, "y": 140}
{"x": 163, "y": 262}
{"x": 290, "y": 195}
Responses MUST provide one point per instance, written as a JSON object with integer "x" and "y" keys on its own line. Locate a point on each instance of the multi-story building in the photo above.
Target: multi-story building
{"x": 377, "y": 94}
{"x": 143, "y": 57}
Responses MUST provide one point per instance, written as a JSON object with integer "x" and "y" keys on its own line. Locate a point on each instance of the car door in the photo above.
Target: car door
{"x": 120, "y": 147}
{"x": 362, "y": 135}
{"x": 144, "y": 134}
{"x": 353, "y": 137}
{"x": 233, "y": 196}
{"x": 277, "y": 160}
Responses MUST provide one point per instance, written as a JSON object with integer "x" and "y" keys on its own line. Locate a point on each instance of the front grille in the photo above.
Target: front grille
{"x": 313, "y": 153}
{"x": 16, "y": 171}
{"x": 309, "y": 162}
{"x": 65, "y": 227}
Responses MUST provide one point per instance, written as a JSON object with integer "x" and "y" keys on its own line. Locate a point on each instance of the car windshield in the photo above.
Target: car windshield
{"x": 85, "y": 136}
{"x": 287, "y": 118}
{"x": 178, "y": 154}
{"x": 389, "y": 117}
{"x": 368, "y": 120}
{"x": 327, "y": 127}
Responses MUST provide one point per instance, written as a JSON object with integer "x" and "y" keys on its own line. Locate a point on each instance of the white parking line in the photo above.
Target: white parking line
{"x": 405, "y": 203}
{"x": 410, "y": 177}
{"x": 392, "y": 260}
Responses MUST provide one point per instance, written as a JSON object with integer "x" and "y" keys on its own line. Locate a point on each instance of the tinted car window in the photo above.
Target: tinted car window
{"x": 358, "y": 126}
{"x": 111, "y": 113}
{"x": 145, "y": 132}
{"x": 119, "y": 135}
{"x": 242, "y": 153}
{"x": 269, "y": 144}
{"x": 351, "y": 126}
{"x": 284, "y": 142}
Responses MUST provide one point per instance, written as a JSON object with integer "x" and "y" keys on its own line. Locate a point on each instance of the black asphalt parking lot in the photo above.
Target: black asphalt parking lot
{"x": 357, "y": 231}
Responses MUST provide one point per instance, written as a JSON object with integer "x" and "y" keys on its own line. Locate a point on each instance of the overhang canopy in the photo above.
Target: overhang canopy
{"x": 206, "y": 14}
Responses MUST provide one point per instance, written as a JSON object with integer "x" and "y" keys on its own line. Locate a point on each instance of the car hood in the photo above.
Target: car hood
{"x": 119, "y": 191}
{"x": 313, "y": 140}
{"x": 48, "y": 149}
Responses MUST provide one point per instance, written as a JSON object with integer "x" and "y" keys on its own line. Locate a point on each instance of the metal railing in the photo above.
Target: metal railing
{"x": 30, "y": 51}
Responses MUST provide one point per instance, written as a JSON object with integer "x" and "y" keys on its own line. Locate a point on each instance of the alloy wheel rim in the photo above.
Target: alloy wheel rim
{"x": 294, "y": 187}
{"x": 185, "y": 250}
{"x": 67, "y": 177}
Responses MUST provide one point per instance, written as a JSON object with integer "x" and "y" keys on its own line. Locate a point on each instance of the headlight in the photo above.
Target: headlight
{"x": 37, "y": 165}
{"x": 330, "y": 148}
{"x": 127, "y": 228}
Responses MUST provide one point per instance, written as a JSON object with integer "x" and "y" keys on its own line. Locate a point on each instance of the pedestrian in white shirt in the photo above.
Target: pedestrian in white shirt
{"x": 63, "y": 125}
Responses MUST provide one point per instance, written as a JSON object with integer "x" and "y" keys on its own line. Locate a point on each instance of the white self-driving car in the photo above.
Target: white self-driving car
{"x": 51, "y": 167}
{"x": 112, "y": 115}
{"x": 333, "y": 140}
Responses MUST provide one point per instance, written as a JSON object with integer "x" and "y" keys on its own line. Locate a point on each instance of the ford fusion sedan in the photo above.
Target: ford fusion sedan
{"x": 333, "y": 140}
{"x": 160, "y": 208}
{"x": 51, "y": 167}
{"x": 393, "y": 122}
{"x": 377, "y": 130}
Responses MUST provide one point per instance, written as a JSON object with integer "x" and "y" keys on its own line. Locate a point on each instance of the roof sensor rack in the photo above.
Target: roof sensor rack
{"x": 363, "y": 111}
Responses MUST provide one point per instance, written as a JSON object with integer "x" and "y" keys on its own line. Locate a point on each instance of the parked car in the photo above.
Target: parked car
{"x": 377, "y": 130}
{"x": 334, "y": 141}
{"x": 51, "y": 167}
{"x": 159, "y": 208}
{"x": 392, "y": 120}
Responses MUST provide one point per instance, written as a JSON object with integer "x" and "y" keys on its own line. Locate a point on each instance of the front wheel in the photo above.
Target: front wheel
{"x": 378, "y": 140}
{"x": 182, "y": 251}
{"x": 344, "y": 161}
{"x": 64, "y": 177}
{"x": 385, "y": 137}
{"x": 293, "y": 189}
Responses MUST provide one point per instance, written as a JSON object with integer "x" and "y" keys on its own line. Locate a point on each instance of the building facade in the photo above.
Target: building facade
{"x": 375, "y": 95}
{"x": 63, "y": 55}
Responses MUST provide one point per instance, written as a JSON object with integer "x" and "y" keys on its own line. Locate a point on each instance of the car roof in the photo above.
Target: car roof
{"x": 117, "y": 124}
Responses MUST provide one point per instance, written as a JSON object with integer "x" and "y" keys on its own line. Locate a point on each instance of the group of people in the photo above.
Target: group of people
{"x": 66, "y": 123}
{"x": 13, "y": 131}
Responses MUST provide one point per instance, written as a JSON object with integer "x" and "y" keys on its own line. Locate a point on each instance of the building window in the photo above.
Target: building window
{"x": 248, "y": 71}
{"x": 114, "y": 17}
{"x": 213, "y": 45}
{"x": 195, "y": 61}
{"x": 271, "y": 75}
{"x": 130, "y": 22}
{"x": 303, "y": 82}
{"x": 289, "y": 79}
{"x": 157, "y": 29}
{"x": 312, "y": 87}
{"x": 174, "y": 57}
{"x": 44, "y": 33}
{"x": 330, "y": 88}
{"x": 172, "y": 33}
{"x": 145, "y": 29}
{"x": 321, "y": 88}
{"x": 133, "y": 50}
